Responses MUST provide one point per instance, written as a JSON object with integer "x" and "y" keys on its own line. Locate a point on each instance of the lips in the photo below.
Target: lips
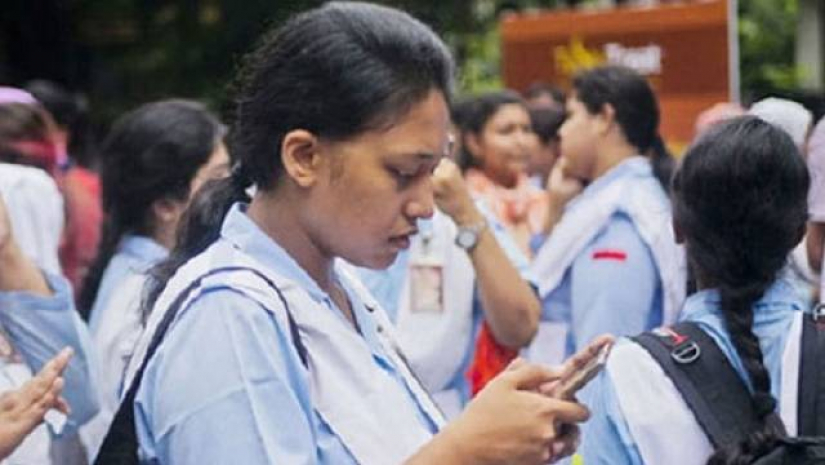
{"x": 402, "y": 241}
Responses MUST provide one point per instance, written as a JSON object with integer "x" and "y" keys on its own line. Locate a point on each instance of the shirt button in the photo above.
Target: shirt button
{"x": 380, "y": 328}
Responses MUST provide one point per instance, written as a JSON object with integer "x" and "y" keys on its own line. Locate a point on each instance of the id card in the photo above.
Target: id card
{"x": 426, "y": 290}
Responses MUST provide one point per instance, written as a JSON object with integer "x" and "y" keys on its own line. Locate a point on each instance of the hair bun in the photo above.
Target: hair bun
{"x": 240, "y": 178}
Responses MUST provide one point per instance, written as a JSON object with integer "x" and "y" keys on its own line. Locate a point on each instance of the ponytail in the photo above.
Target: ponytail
{"x": 737, "y": 310}
{"x": 739, "y": 199}
{"x": 112, "y": 233}
{"x": 199, "y": 227}
{"x": 662, "y": 162}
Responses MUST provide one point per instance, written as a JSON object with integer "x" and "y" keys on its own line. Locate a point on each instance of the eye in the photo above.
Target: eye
{"x": 403, "y": 176}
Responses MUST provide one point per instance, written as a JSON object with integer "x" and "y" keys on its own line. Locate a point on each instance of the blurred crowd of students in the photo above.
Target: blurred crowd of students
{"x": 531, "y": 225}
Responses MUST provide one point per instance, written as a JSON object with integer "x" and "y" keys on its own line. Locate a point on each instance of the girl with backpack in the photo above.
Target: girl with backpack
{"x": 739, "y": 208}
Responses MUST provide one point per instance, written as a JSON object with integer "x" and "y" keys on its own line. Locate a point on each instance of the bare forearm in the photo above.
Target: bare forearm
{"x": 442, "y": 449}
{"x": 510, "y": 305}
{"x": 19, "y": 273}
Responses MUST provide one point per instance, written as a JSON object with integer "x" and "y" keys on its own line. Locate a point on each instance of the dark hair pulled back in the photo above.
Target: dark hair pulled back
{"x": 740, "y": 201}
{"x": 151, "y": 153}
{"x": 335, "y": 71}
{"x": 636, "y": 111}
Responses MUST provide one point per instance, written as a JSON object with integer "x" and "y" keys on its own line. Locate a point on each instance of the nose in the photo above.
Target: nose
{"x": 421, "y": 203}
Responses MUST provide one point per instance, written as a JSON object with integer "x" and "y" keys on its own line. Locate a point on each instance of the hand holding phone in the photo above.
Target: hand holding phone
{"x": 581, "y": 368}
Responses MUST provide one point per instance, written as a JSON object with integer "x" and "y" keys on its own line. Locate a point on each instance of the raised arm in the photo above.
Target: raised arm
{"x": 510, "y": 306}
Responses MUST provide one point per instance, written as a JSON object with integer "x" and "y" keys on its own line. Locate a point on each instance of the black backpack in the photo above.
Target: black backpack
{"x": 120, "y": 445}
{"x": 722, "y": 403}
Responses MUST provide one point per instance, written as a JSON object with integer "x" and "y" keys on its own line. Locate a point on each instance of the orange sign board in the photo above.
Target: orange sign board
{"x": 686, "y": 50}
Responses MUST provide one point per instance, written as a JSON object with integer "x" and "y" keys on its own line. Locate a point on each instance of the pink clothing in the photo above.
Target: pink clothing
{"x": 15, "y": 95}
{"x": 84, "y": 214}
{"x": 521, "y": 209}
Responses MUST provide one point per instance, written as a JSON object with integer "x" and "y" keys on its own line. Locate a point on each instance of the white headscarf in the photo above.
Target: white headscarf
{"x": 816, "y": 166}
{"x": 787, "y": 115}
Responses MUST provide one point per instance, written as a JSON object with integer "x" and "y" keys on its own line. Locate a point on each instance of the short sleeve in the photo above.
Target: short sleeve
{"x": 615, "y": 285}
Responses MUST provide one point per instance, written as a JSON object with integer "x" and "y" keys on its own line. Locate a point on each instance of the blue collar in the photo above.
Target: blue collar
{"x": 638, "y": 166}
{"x": 781, "y": 297}
{"x": 143, "y": 250}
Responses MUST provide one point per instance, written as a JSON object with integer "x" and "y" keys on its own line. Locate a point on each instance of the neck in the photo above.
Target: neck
{"x": 165, "y": 236}
{"x": 277, "y": 216}
{"x": 507, "y": 181}
{"x": 611, "y": 155}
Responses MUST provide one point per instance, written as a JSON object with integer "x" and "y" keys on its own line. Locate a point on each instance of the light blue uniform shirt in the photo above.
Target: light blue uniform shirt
{"x": 135, "y": 256}
{"x": 116, "y": 323}
{"x": 613, "y": 286}
{"x": 226, "y": 384}
{"x": 386, "y": 285}
{"x": 39, "y": 327}
{"x": 607, "y": 437}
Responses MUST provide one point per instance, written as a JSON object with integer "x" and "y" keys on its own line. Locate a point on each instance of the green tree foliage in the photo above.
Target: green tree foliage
{"x": 767, "y": 32}
{"x": 139, "y": 50}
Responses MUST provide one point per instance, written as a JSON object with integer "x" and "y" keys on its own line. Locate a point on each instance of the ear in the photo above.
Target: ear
{"x": 606, "y": 119}
{"x": 473, "y": 142}
{"x": 300, "y": 157}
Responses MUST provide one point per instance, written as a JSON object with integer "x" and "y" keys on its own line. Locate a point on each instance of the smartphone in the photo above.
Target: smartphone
{"x": 569, "y": 386}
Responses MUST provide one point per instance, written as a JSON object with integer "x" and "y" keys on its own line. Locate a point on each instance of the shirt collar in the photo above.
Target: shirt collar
{"x": 143, "y": 248}
{"x": 632, "y": 166}
{"x": 247, "y": 236}
{"x": 779, "y": 298}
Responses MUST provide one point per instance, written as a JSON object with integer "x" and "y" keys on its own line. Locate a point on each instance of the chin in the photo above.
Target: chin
{"x": 375, "y": 261}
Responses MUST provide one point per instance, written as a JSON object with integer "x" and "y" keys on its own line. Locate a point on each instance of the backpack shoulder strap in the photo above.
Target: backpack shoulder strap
{"x": 811, "y": 405}
{"x": 120, "y": 445}
{"x": 701, "y": 372}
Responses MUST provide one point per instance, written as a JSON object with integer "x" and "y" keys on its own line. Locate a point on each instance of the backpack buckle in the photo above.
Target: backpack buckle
{"x": 818, "y": 313}
{"x": 686, "y": 352}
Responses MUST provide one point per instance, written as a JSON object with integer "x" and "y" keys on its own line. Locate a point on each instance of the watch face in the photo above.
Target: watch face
{"x": 466, "y": 239}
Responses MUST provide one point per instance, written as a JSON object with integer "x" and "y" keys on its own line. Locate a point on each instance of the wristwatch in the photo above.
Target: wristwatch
{"x": 467, "y": 237}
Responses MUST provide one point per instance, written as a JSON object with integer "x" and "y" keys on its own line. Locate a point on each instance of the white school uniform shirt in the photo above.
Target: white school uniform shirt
{"x": 638, "y": 416}
{"x": 439, "y": 344}
{"x": 35, "y": 329}
{"x": 35, "y": 208}
{"x": 611, "y": 264}
{"x": 116, "y": 324}
{"x": 227, "y": 384}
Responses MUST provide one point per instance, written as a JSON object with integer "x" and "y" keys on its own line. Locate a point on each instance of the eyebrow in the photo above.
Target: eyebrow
{"x": 430, "y": 156}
